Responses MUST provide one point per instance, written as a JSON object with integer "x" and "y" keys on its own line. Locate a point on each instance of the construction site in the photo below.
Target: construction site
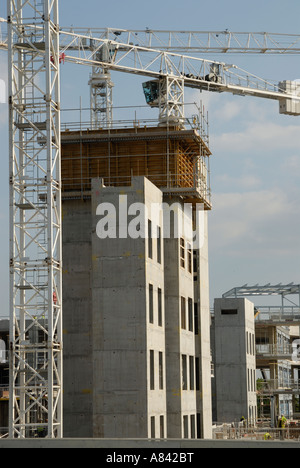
{"x": 111, "y": 334}
{"x": 265, "y": 358}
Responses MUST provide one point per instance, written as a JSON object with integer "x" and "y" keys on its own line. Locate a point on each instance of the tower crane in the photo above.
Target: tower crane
{"x": 172, "y": 72}
{"x": 36, "y": 48}
{"x": 35, "y": 398}
{"x": 140, "y": 42}
{"x": 218, "y": 42}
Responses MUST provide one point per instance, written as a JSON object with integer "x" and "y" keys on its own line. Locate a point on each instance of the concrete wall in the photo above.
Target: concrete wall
{"x": 123, "y": 402}
{"x": 203, "y": 344}
{"x": 77, "y": 319}
{"x": 110, "y": 339}
{"x": 180, "y": 342}
{"x": 156, "y": 336}
{"x": 235, "y": 363}
{"x": 189, "y": 409}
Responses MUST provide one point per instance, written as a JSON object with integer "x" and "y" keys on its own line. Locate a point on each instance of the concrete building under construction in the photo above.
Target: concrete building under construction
{"x": 136, "y": 310}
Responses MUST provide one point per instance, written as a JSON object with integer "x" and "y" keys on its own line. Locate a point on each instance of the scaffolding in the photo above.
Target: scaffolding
{"x": 173, "y": 158}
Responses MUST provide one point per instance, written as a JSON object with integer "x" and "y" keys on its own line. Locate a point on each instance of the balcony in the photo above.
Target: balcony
{"x": 275, "y": 352}
{"x": 279, "y": 387}
{"x": 278, "y": 316}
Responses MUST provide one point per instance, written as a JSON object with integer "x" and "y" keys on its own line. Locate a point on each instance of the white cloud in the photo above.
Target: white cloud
{"x": 239, "y": 125}
{"x": 243, "y": 182}
{"x": 256, "y": 210}
{"x": 224, "y": 107}
{"x": 292, "y": 163}
{"x": 263, "y": 223}
{"x": 257, "y": 137}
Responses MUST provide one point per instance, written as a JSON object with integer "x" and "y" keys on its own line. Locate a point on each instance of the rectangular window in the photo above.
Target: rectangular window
{"x": 182, "y": 253}
{"x": 191, "y": 314}
{"x": 195, "y": 265}
{"x": 184, "y": 372}
{"x": 152, "y": 380}
{"x": 189, "y": 258}
{"x": 162, "y": 427}
{"x": 159, "y": 244}
{"x": 161, "y": 371}
{"x": 152, "y": 427}
{"x": 183, "y": 313}
{"x": 199, "y": 426}
{"x": 151, "y": 311}
{"x": 160, "y": 309}
{"x": 193, "y": 428}
{"x": 185, "y": 427}
{"x": 197, "y": 373}
{"x": 150, "y": 246}
{"x": 196, "y": 318}
{"x": 192, "y": 373}
{"x": 229, "y": 312}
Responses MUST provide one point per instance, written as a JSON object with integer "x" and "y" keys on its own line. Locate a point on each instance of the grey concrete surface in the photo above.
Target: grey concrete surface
{"x": 135, "y": 444}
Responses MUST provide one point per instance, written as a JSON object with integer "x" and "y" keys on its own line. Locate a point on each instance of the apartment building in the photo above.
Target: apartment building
{"x": 137, "y": 359}
{"x": 139, "y": 369}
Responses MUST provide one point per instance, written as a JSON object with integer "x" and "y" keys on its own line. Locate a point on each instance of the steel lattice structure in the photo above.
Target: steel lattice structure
{"x": 160, "y": 54}
{"x": 174, "y": 72}
{"x": 35, "y": 219}
{"x": 101, "y": 98}
{"x": 212, "y": 42}
{"x": 264, "y": 290}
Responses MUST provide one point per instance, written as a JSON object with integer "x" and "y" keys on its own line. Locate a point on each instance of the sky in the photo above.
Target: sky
{"x": 254, "y": 227}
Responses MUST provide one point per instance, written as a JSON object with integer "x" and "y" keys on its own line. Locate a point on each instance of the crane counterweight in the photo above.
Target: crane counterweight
{"x": 290, "y": 106}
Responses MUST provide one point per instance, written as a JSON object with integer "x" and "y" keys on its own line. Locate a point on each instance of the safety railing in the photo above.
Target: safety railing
{"x": 284, "y": 350}
{"x": 278, "y": 314}
{"x": 189, "y": 182}
{"x": 236, "y": 431}
{"x": 278, "y": 385}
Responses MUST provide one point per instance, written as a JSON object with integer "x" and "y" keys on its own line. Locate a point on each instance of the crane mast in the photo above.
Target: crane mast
{"x": 35, "y": 220}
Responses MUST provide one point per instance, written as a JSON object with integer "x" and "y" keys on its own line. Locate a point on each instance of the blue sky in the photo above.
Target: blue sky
{"x": 255, "y": 223}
